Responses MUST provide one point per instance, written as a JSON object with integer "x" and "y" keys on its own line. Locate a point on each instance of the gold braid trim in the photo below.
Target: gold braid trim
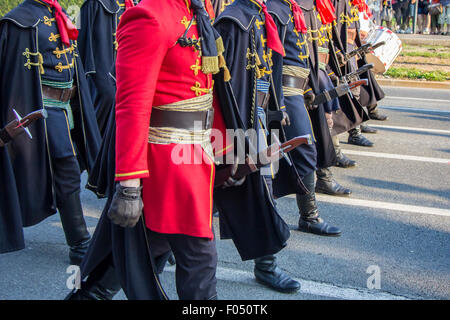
{"x": 167, "y": 135}
{"x": 296, "y": 71}
{"x": 289, "y": 91}
{"x": 210, "y": 64}
{"x": 200, "y": 103}
{"x": 39, "y": 63}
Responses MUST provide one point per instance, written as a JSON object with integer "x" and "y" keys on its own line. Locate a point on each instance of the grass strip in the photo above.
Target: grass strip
{"x": 415, "y": 74}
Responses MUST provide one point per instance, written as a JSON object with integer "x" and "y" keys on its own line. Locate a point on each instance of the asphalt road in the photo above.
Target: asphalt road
{"x": 396, "y": 225}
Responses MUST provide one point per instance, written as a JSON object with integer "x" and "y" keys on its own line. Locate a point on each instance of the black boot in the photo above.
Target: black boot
{"x": 342, "y": 160}
{"x": 309, "y": 218}
{"x": 267, "y": 273}
{"x": 368, "y": 129}
{"x": 326, "y": 184}
{"x": 102, "y": 284}
{"x": 355, "y": 137}
{"x": 74, "y": 226}
{"x": 309, "y": 214}
{"x": 374, "y": 115}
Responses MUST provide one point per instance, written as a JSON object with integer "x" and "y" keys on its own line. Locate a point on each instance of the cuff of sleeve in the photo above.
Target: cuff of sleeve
{"x": 282, "y": 107}
{"x": 132, "y": 175}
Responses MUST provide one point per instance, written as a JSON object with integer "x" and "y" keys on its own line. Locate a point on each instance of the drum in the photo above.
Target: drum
{"x": 365, "y": 23}
{"x": 383, "y": 57}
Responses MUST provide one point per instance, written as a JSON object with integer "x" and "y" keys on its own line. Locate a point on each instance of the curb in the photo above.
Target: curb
{"x": 432, "y": 40}
{"x": 445, "y": 85}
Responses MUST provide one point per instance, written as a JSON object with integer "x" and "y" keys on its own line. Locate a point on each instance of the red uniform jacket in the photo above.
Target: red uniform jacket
{"x": 152, "y": 70}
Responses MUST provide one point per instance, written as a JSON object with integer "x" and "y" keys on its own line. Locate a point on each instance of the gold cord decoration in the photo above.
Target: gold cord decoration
{"x": 39, "y": 63}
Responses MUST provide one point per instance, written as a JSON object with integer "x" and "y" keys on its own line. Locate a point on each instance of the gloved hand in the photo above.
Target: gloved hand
{"x": 286, "y": 120}
{"x": 126, "y": 206}
{"x": 231, "y": 182}
{"x": 335, "y": 79}
{"x": 341, "y": 59}
{"x": 309, "y": 99}
{"x": 329, "y": 118}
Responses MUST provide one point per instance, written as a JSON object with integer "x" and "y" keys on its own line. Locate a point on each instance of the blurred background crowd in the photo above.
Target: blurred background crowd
{"x": 433, "y": 16}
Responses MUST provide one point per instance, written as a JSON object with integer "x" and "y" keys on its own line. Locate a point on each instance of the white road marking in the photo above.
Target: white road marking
{"x": 405, "y": 208}
{"x": 396, "y": 156}
{"x": 418, "y": 99}
{"x": 411, "y": 128}
{"x": 307, "y": 286}
{"x": 415, "y": 109}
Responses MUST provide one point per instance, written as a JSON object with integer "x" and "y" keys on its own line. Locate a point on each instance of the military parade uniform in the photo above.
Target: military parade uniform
{"x": 41, "y": 69}
{"x": 293, "y": 74}
{"x": 317, "y": 38}
{"x": 162, "y": 68}
{"x": 345, "y": 40}
{"x": 372, "y": 93}
{"x": 98, "y": 49}
{"x": 245, "y": 28}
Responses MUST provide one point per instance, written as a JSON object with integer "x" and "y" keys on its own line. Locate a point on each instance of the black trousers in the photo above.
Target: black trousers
{"x": 196, "y": 263}
{"x": 401, "y": 10}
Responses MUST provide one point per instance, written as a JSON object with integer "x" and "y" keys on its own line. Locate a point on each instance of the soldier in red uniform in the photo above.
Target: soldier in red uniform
{"x": 164, "y": 165}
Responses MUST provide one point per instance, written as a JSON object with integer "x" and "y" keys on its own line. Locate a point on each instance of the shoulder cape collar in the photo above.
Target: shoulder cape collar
{"x": 110, "y": 6}
{"x": 23, "y": 15}
{"x": 280, "y": 9}
{"x": 307, "y": 5}
{"x": 242, "y": 14}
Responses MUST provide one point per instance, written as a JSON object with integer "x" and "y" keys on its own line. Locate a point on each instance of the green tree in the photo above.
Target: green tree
{"x": 7, "y": 5}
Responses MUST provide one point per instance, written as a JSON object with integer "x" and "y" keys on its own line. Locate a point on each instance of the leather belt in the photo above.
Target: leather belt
{"x": 324, "y": 57}
{"x": 294, "y": 82}
{"x": 62, "y": 95}
{"x": 262, "y": 99}
{"x": 182, "y": 120}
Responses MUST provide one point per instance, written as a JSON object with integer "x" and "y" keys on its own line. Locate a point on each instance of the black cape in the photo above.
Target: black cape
{"x": 326, "y": 154}
{"x": 127, "y": 249}
{"x": 351, "y": 113}
{"x": 27, "y": 195}
{"x": 247, "y": 213}
{"x": 96, "y": 43}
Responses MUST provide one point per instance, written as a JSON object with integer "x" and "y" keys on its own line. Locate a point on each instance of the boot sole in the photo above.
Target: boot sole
{"x": 370, "y": 132}
{"x": 346, "y": 167}
{"x": 306, "y": 230}
{"x": 333, "y": 194}
{"x": 360, "y": 145}
{"x": 277, "y": 289}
